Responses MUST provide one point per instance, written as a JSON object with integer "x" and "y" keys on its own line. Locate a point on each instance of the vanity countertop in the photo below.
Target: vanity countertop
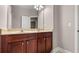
{"x": 9, "y": 32}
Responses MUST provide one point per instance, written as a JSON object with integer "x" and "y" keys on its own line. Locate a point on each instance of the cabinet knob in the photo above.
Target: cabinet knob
{"x": 27, "y": 42}
{"x": 22, "y": 43}
{"x": 44, "y": 38}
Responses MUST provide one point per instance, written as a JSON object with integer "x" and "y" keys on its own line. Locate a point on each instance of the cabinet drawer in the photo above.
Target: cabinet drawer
{"x": 14, "y": 38}
{"x": 40, "y": 35}
{"x": 47, "y": 34}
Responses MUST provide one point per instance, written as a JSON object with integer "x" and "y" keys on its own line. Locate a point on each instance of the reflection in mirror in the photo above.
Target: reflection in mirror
{"x": 29, "y": 22}
{"x": 34, "y": 22}
{"x": 25, "y": 22}
{"x": 24, "y": 16}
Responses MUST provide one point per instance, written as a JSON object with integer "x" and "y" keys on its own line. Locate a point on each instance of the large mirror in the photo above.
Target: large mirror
{"x": 24, "y": 17}
{"x": 30, "y": 17}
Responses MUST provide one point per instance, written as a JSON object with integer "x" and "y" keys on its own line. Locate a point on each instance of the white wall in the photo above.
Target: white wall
{"x": 78, "y": 17}
{"x": 18, "y": 11}
{"x": 67, "y": 28}
{"x": 78, "y": 28}
{"x": 56, "y": 21}
{"x": 3, "y": 16}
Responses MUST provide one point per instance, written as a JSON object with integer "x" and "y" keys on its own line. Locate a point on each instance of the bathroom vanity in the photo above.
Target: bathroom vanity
{"x": 26, "y": 30}
{"x": 38, "y": 42}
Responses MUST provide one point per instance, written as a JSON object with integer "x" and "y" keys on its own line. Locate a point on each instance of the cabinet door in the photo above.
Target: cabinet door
{"x": 48, "y": 41}
{"x": 15, "y": 47}
{"x": 41, "y": 45}
{"x": 48, "y": 44}
{"x": 0, "y": 44}
{"x": 31, "y": 46}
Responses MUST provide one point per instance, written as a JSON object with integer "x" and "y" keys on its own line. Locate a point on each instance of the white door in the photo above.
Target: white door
{"x": 25, "y": 22}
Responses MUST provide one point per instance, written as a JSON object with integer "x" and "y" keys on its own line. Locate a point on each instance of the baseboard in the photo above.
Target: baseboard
{"x": 60, "y": 50}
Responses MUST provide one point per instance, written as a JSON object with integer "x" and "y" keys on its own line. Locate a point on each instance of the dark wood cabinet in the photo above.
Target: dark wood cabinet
{"x": 48, "y": 42}
{"x": 26, "y": 43}
{"x": 19, "y": 43}
{"x": 15, "y": 47}
{"x": 41, "y": 45}
{"x": 41, "y": 42}
{"x": 44, "y": 42}
{"x": 0, "y": 44}
{"x": 31, "y": 46}
{"x": 28, "y": 46}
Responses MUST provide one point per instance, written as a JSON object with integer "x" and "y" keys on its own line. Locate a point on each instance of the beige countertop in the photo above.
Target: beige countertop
{"x": 8, "y": 32}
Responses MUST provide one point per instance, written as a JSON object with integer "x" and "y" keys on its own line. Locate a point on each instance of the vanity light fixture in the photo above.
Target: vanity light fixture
{"x": 38, "y": 7}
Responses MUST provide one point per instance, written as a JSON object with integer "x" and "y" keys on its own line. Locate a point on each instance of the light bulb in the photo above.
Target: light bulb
{"x": 41, "y": 6}
{"x": 38, "y": 7}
